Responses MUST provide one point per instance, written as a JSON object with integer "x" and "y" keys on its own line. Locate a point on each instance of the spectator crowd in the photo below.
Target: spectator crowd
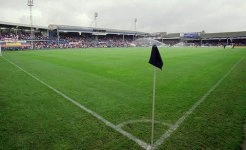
{"x": 85, "y": 40}
{"x": 68, "y": 40}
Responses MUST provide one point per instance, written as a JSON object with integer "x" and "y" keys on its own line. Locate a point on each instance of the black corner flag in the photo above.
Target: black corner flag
{"x": 155, "y": 57}
{"x": 155, "y": 60}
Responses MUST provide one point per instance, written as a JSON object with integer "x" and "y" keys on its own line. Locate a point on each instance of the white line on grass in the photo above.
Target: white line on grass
{"x": 116, "y": 128}
{"x": 181, "y": 120}
{"x": 142, "y": 121}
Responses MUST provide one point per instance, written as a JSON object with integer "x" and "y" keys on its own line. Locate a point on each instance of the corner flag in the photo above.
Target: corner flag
{"x": 155, "y": 57}
{"x": 156, "y": 61}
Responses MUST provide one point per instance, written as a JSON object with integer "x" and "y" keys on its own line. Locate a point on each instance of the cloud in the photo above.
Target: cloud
{"x": 153, "y": 16}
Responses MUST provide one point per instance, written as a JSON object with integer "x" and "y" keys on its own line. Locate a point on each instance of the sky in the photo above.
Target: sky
{"x": 169, "y": 16}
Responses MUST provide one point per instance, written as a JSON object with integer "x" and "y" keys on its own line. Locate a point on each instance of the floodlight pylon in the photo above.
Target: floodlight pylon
{"x": 95, "y": 18}
{"x": 30, "y": 4}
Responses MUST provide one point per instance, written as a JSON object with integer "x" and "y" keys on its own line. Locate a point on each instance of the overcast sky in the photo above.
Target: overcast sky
{"x": 152, "y": 15}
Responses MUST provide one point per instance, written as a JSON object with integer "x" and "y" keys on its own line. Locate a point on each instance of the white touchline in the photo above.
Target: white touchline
{"x": 181, "y": 120}
{"x": 116, "y": 128}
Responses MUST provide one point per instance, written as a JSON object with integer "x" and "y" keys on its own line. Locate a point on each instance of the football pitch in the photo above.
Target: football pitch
{"x": 101, "y": 98}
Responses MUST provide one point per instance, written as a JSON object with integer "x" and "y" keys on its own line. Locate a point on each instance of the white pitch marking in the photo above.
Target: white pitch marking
{"x": 142, "y": 120}
{"x": 181, "y": 120}
{"x": 116, "y": 128}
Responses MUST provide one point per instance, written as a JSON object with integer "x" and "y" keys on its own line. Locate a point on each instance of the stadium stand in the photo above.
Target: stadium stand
{"x": 64, "y": 36}
{"x": 15, "y": 36}
{"x": 170, "y": 39}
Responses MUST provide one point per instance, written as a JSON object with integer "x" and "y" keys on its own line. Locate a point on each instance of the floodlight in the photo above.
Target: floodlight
{"x": 96, "y": 14}
{"x": 135, "y": 24}
{"x": 30, "y": 3}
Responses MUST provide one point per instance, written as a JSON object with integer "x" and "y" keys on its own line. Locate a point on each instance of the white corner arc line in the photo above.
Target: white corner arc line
{"x": 142, "y": 121}
{"x": 116, "y": 128}
{"x": 181, "y": 119}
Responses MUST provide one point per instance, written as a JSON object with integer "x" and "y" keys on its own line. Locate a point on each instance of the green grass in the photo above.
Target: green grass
{"x": 117, "y": 84}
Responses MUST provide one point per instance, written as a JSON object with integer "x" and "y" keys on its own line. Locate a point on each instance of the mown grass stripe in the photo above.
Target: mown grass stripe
{"x": 108, "y": 123}
{"x": 168, "y": 133}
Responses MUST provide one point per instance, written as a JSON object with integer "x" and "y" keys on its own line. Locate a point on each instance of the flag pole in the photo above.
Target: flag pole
{"x": 153, "y": 109}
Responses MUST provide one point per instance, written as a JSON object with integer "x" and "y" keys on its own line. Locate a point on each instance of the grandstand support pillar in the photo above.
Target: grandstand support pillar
{"x": 58, "y": 39}
{"x": 16, "y": 30}
{"x": 123, "y": 37}
{"x": 201, "y": 42}
{"x": 48, "y": 33}
{"x": 96, "y": 39}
